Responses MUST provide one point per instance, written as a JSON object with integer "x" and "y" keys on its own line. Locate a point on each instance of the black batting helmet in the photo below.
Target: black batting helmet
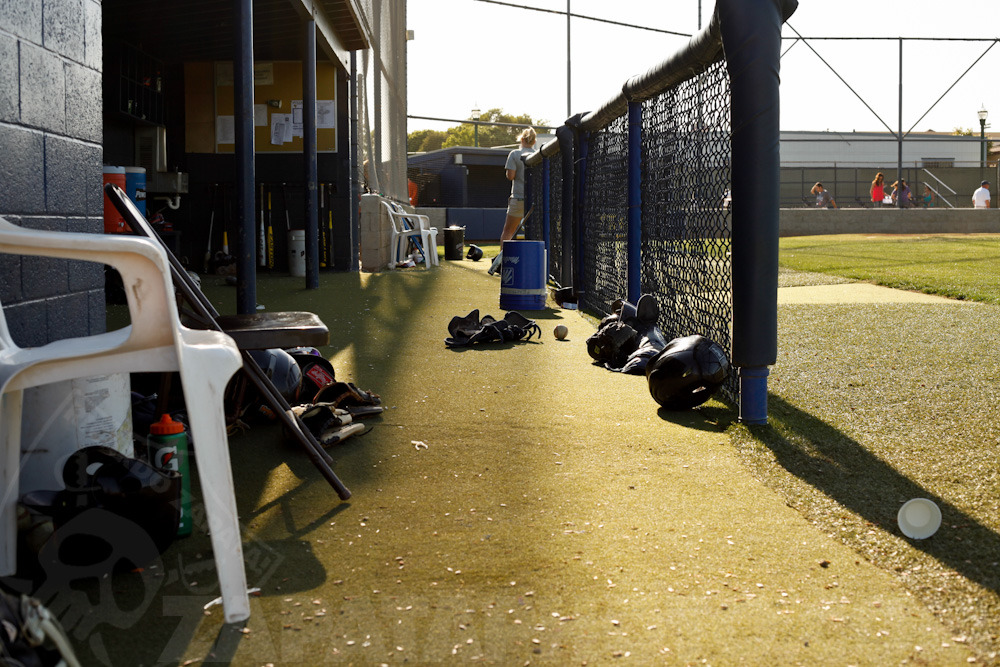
{"x": 687, "y": 372}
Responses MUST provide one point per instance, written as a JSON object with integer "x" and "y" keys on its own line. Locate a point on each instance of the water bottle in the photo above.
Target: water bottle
{"x": 168, "y": 450}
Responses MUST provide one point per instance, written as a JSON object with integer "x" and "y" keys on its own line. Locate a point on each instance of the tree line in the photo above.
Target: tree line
{"x": 422, "y": 141}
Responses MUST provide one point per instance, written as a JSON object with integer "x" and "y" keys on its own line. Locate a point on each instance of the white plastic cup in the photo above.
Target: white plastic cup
{"x": 919, "y": 518}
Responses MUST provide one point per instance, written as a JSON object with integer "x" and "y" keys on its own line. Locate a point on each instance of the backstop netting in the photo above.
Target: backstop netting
{"x": 671, "y": 189}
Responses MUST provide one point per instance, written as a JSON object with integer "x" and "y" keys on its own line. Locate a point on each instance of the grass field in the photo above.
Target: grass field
{"x": 874, "y": 404}
{"x": 956, "y": 266}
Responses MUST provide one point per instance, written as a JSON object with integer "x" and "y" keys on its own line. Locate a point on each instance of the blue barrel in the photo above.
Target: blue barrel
{"x": 135, "y": 187}
{"x": 522, "y": 275}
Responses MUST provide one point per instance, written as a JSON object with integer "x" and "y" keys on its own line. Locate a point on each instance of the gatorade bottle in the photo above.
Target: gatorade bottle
{"x": 168, "y": 450}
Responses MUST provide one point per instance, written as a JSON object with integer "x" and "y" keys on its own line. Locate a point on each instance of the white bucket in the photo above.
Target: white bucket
{"x": 63, "y": 417}
{"x": 297, "y": 252}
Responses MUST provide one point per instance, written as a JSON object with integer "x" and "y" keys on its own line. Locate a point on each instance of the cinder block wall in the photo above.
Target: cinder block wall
{"x": 51, "y": 161}
{"x": 375, "y": 234}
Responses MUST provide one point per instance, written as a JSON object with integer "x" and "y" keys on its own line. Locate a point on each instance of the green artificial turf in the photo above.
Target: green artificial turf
{"x": 956, "y": 266}
{"x": 516, "y": 504}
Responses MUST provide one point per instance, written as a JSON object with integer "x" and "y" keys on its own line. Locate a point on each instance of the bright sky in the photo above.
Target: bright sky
{"x": 469, "y": 53}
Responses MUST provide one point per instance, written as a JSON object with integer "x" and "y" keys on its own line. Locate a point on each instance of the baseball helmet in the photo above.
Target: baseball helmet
{"x": 687, "y": 372}
{"x": 281, "y": 368}
{"x": 475, "y": 253}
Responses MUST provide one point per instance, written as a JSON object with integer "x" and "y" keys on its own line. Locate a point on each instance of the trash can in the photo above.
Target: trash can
{"x": 454, "y": 242}
{"x": 297, "y": 252}
{"x": 522, "y": 275}
{"x": 63, "y": 417}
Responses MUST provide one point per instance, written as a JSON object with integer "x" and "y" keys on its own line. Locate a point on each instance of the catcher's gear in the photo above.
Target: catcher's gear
{"x": 470, "y": 329}
{"x": 687, "y": 372}
{"x": 328, "y": 423}
{"x": 627, "y": 339}
{"x": 317, "y": 373}
{"x": 348, "y": 396}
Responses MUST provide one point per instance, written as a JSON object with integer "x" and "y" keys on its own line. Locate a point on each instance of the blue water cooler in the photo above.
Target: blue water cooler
{"x": 522, "y": 275}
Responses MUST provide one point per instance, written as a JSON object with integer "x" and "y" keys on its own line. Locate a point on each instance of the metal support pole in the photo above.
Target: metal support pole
{"x": 754, "y": 31}
{"x": 899, "y": 157}
{"x": 982, "y": 145}
{"x": 546, "y": 208}
{"x": 581, "y": 149}
{"x": 567, "y": 153}
{"x": 245, "y": 176}
{"x": 569, "y": 78}
{"x": 309, "y": 156}
{"x": 355, "y": 185}
{"x": 634, "y": 247}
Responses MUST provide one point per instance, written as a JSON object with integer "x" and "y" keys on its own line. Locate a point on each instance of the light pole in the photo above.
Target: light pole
{"x": 475, "y": 117}
{"x": 982, "y": 136}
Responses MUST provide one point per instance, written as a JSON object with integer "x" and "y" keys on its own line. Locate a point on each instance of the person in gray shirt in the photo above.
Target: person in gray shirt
{"x": 515, "y": 174}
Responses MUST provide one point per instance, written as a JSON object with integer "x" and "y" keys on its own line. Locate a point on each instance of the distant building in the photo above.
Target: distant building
{"x": 878, "y": 149}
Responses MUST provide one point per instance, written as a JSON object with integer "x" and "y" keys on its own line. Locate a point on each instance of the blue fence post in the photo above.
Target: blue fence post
{"x": 752, "y": 33}
{"x": 567, "y": 154}
{"x": 583, "y": 152}
{"x": 546, "y": 173}
{"x": 634, "y": 248}
{"x": 529, "y": 196}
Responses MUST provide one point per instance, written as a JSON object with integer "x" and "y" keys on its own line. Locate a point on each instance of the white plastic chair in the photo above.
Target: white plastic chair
{"x": 411, "y": 225}
{"x": 154, "y": 342}
{"x": 430, "y": 235}
{"x": 400, "y": 237}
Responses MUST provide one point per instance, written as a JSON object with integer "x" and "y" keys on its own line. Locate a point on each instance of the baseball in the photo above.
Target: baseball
{"x": 560, "y": 331}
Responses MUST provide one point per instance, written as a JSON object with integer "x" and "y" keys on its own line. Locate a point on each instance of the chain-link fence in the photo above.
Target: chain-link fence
{"x": 686, "y": 239}
{"x": 643, "y": 195}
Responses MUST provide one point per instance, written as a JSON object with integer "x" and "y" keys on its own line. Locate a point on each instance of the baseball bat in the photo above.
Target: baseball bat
{"x": 284, "y": 200}
{"x": 270, "y": 234}
{"x": 262, "y": 239}
{"x": 211, "y": 224}
{"x": 322, "y": 227}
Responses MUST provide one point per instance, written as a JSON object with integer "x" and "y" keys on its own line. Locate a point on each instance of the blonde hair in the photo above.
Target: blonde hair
{"x": 527, "y": 136}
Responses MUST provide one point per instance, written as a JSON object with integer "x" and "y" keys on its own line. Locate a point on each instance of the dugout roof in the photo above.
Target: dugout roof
{"x": 199, "y": 30}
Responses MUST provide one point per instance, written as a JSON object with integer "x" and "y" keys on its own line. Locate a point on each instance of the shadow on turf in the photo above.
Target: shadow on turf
{"x": 844, "y": 470}
{"x": 714, "y": 418}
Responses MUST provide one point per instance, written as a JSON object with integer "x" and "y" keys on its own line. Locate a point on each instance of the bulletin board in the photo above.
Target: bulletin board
{"x": 277, "y": 94}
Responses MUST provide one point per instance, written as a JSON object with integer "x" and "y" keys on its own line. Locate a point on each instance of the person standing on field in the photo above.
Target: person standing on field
{"x": 981, "y": 197}
{"x": 515, "y": 204}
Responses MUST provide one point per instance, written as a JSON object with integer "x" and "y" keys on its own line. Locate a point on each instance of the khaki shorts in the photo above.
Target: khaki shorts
{"x": 515, "y": 207}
